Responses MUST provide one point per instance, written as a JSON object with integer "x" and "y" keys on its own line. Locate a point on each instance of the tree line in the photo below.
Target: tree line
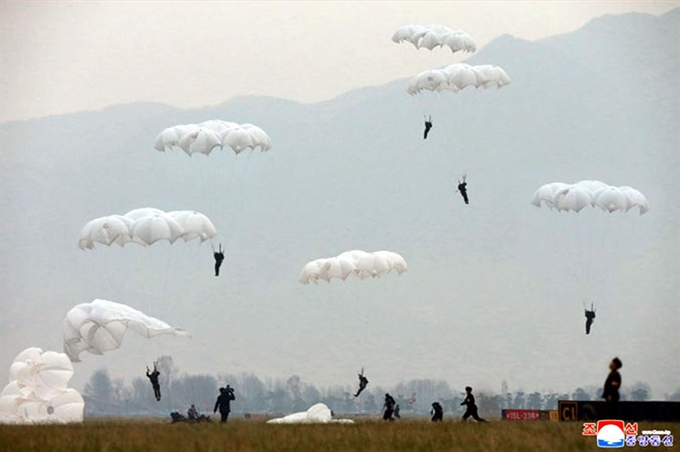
{"x": 112, "y": 396}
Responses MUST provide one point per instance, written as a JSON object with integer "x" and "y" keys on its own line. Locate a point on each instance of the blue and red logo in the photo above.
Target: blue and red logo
{"x": 610, "y": 434}
{"x": 614, "y": 433}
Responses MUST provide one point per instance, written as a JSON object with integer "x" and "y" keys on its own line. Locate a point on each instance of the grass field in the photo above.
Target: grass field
{"x": 240, "y": 435}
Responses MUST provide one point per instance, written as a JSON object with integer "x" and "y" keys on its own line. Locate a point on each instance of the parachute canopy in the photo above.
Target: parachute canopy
{"x": 431, "y": 36}
{"x": 146, "y": 226}
{"x": 360, "y": 263}
{"x": 456, "y": 77}
{"x": 203, "y": 138}
{"x": 575, "y": 197}
{"x": 38, "y": 390}
{"x": 316, "y": 414}
{"x": 100, "y": 326}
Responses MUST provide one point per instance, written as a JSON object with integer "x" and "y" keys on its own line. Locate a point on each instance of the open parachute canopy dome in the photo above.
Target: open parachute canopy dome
{"x": 360, "y": 263}
{"x": 575, "y": 197}
{"x": 146, "y": 226}
{"x": 203, "y": 138}
{"x": 100, "y": 326}
{"x": 456, "y": 77}
{"x": 431, "y": 36}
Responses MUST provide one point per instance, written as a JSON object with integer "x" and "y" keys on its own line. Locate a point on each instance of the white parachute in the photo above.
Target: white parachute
{"x": 203, "y": 138}
{"x": 146, "y": 226}
{"x": 431, "y": 36}
{"x": 575, "y": 197}
{"x": 456, "y": 77}
{"x": 100, "y": 326}
{"x": 360, "y": 263}
{"x": 594, "y": 248}
{"x": 38, "y": 390}
{"x": 316, "y": 414}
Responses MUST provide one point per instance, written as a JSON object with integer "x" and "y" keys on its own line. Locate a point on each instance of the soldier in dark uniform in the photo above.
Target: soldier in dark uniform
{"x": 471, "y": 406}
{"x": 437, "y": 412}
{"x": 153, "y": 377}
{"x": 428, "y": 126}
{"x": 611, "y": 389}
{"x": 590, "y": 318}
{"x": 219, "y": 257}
{"x": 363, "y": 382}
{"x": 462, "y": 189}
{"x": 388, "y": 406}
{"x": 223, "y": 402}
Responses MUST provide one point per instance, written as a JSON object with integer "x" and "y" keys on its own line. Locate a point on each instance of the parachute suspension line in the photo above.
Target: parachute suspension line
{"x": 166, "y": 277}
{"x": 238, "y": 202}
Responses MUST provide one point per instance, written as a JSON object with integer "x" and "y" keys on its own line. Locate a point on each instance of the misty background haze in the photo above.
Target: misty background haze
{"x": 493, "y": 290}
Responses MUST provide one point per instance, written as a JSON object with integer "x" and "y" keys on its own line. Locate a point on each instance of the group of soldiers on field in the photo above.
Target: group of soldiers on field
{"x": 390, "y": 408}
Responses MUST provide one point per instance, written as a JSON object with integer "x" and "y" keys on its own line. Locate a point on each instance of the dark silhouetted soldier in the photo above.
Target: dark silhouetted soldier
{"x": 611, "y": 389}
{"x": 428, "y": 126}
{"x": 219, "y": 257}
{"x": 437, "y": 412}
{"x": 462, "y": 189}
{"x": 590, "y": 318}
{"x": 153, "y": 377}
{"x": 388, "y": 406}
{"x": 471, "y": 407}
{"x": 396, "y": 411}
{"x": 363, "y": 382}
{"x": 192, "y": 414}
{"x": 224, "y": 402}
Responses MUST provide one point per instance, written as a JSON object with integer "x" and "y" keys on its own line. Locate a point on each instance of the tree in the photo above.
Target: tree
{"x": 674, "y": 397}
{"x": 580, "y": 394}
{"x": 640, "y": 391}
{"x": 519, "y": 400}
{"x": 550, "y": 401}
{"x": 199, "y": 390}
{"x": 535, "y": 401}
{"x": 99, "y": 387}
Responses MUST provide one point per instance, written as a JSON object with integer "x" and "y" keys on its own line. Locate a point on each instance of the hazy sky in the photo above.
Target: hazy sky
{"x": 67, "y": 57}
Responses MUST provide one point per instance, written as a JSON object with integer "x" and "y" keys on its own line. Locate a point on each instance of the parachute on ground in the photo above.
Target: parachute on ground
{"x": 146, "y": 226}
{"x": 203, "y": 138}
{"x": 456, "y": 77}
{"x": 100, "y": 326}
{"x": 431, "y": 36}
{"x": 316, "y": 414}
{"x": 38, "y": 390}
{"x": 575, "y": 197}
{"x": 360, "y": 263}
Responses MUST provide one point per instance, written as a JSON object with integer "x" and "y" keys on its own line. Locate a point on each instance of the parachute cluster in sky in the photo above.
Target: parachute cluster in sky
{"x": 203, "y": 138}
{"x": 316, "y": 414}
{"x": 146, "y": 226}
{"x": 100, "y": 326}
{"x": 38, "y": 390}
{"x": 456, "y": 77}
{"x": 431, "y": 36}
{"x": 360, "y": 263}
{"x": 574, "y": 197}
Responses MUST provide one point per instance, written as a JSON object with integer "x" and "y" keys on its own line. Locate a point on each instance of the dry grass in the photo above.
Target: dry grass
{"x": 158, "y": 436}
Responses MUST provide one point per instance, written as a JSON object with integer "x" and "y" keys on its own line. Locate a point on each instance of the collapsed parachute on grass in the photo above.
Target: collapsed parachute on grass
{"x": 100, "y": 326}
{"x": 431, "y": 36}
{"x": 203, "y": 138}
{"x": 146, "y": 226}
{"x": 360, "y": 263}
{"x": 575, "y": 197}
{"x": 38, "y": 390}
{"x": 458, "y": 76}
{"x": 316, "y": 414}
